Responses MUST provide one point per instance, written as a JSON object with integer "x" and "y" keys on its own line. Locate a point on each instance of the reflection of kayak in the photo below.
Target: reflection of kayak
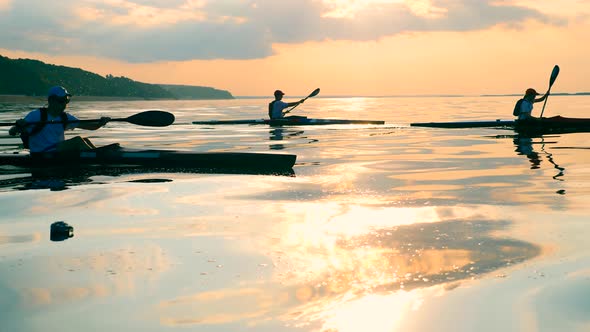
{"x": 165, "y": 159}
{"x": 60, "y": 178}
{"x": 556, "y": 124}
{"x": 291, "y": 121}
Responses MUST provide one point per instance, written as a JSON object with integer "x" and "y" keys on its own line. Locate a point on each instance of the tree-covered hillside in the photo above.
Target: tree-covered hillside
{"x": 196, "y": 92}
{"x": 33, "y": 78}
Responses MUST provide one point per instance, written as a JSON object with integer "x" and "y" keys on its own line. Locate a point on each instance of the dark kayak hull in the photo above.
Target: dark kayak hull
{"x": 556, "y": 124}
{"x": 466, "y": 124}
{"x": 155, "y": 159}
{"x": 296, "y": 121}
{"x": 553, "y": 125}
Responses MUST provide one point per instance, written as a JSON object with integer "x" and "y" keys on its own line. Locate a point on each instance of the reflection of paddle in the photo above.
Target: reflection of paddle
{"x": 147, "y": 118}
{"x": 314, "y": 93}
{"x": 550, "y": 159}
{"x": 554, "y": 74}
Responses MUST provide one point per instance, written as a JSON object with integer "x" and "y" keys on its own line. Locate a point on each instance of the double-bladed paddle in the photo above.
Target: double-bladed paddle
{"x": 552, "y": 79}
{"x": 147, "y": 118}
{"x": 314, "y": 93}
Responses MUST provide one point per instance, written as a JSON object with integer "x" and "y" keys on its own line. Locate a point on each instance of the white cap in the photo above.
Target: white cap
{"x": 58, "y": 91}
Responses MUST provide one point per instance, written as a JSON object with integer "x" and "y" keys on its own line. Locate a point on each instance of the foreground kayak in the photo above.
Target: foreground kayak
{"x": 154, "y": 158}
{"x": 556, "y": 124}
{"x": 294, "y": 121}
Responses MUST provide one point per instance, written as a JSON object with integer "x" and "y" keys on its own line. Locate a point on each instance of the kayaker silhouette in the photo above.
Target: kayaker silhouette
{"x": 39, "y": 134}
{"x": 524, "y": 106}
{"x": 276, "y": 107}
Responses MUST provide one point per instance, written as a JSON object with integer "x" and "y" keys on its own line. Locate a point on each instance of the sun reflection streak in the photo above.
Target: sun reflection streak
{"x": 337, "y": 266}
{"x": 343, "y": 259}
{"x": 320, "y": 222}
{"x": 371, "y": 313}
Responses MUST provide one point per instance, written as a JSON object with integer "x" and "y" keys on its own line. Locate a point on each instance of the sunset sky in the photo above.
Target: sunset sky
{"x": 345, "y": 47}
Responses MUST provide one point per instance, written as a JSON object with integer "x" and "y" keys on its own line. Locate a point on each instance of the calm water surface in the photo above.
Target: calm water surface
{"x": 382, "y": 228}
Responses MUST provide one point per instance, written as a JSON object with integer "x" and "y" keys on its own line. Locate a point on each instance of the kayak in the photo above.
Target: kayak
{"x": 294, "y": 121}
{"x": 167, "y": 159}
{"x": 466, "y": 124}
{"x": 555, "y": 124}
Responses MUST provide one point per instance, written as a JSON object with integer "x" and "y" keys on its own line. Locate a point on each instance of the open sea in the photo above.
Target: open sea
{"x": 381, "y": 227}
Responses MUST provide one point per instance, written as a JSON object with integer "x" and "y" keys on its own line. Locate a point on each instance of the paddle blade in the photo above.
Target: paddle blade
{"x": 554, "y": 74}
{"x": 552, "y": 79}
{"x": 314, "y": 93}
{"x": 152, "y": 119}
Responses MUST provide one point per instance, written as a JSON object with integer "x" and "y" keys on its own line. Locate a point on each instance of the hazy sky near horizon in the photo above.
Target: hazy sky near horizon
{"x": 346, "y": 47}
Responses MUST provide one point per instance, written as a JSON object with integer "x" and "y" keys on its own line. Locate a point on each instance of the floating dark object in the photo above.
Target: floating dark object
{"x": 61, "y": 231}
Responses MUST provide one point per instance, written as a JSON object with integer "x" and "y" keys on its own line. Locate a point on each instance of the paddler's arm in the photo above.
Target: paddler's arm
{"x": 295, "y": 103}
{"x": 94, "y": 125}
{"x": 542, "y": 98}
{"x": 19, "y": 127}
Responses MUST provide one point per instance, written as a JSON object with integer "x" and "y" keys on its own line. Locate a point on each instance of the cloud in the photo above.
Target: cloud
{"x": 169, "y": 30}
{"x": 5, "y": 4}
{"x": 126, "y": 13}
{"x": 348, "y": 9}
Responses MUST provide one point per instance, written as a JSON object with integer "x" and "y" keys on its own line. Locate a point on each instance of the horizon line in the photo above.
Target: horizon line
{"x": 417, "y": 95}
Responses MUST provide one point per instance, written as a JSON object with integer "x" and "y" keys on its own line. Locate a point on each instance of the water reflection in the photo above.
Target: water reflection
{"x": 341, "y": 247}
{"x": 57, "y": 179}
{"x": 12, "y": 239}
{"x": 280, "y": 134}
{"x": 125, "y": 267}
{"x": 524, "y": 146}
{"x": 320, "y": 281}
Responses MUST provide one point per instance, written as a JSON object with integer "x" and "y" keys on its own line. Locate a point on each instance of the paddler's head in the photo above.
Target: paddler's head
{"x": 58, "y": 98}
{"x": 279, "y": 94}
{"x": 530, "y": 94}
